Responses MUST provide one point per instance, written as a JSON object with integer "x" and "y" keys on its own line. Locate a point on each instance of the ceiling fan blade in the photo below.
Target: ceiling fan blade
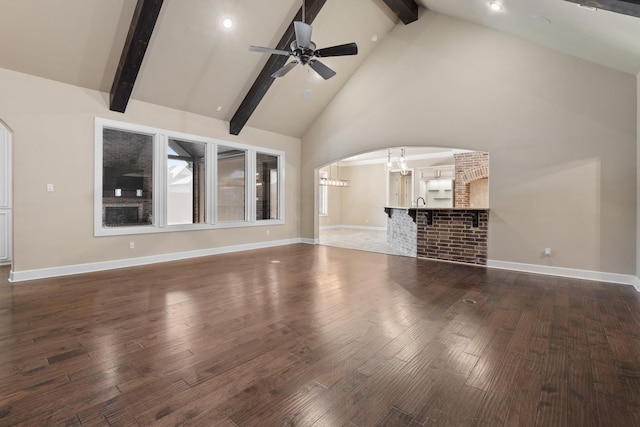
{"x": 324, "y": 71}
{"x": 303, "y": 34}
{"x": 340, "y": 50}
{"x": 269, "y": 50}
{"x": 284, "y": 70}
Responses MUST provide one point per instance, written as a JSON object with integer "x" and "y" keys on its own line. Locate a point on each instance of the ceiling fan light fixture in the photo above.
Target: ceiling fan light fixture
{"x": 495, "y": 6}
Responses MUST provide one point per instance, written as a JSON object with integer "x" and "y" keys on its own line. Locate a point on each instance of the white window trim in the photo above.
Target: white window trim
{"x": 160, "y": 142}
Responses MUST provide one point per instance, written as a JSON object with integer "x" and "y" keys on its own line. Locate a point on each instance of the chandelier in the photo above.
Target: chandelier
{"x": 331, "y": 182}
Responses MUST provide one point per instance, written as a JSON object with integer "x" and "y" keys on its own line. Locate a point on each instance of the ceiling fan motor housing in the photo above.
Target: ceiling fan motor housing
{"x": 303, "y": 55}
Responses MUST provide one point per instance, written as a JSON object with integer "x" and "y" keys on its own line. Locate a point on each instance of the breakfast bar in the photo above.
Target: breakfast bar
{"x": 449, "y": 234}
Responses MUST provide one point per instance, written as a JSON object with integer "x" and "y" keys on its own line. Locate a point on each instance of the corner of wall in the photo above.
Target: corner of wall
{"x": 638, "y": 183}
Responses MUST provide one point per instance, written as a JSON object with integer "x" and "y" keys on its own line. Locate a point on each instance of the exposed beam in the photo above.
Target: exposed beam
{"x": 274, "y": 63}
{"x": 625, "y": 7}
{"x": 140, "y": 30}
{"x": 407, "y": 10}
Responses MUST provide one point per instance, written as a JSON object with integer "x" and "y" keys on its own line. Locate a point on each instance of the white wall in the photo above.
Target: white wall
{"x": 560, "y": 132}
{"x": 53, "y": 137}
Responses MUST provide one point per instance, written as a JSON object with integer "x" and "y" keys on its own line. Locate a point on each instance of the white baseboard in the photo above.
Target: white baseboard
{"x": 625, "y": 279}
{"x": 42, "y": 273}
{"x": 67, "y": 270}
{"x": 354, "y": 227}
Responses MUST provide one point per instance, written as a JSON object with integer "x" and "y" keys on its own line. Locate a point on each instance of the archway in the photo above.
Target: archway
{"x": 354, "y": 192}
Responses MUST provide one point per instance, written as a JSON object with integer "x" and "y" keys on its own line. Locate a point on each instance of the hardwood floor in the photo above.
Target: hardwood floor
{"x": 318, "y": 336}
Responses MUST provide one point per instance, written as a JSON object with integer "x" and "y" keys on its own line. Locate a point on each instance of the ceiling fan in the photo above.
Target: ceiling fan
{"x": 304, "y": 51}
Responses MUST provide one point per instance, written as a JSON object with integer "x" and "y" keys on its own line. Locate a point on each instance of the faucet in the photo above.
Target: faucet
{"x": 424, "y": 202}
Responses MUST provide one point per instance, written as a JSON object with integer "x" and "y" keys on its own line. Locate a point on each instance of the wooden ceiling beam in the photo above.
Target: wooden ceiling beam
{"x": 407, "y": 10}
{"x": 275, "y": 62}
{"x": 625, "y": 7}
{"x": 135, "y": 47}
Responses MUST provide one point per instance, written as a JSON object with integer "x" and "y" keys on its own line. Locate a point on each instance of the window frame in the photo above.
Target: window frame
{"x": 160, "y": 140}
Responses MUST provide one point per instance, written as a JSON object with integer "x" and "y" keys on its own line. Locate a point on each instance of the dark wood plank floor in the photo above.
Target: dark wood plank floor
{"x": 318, "y": 336}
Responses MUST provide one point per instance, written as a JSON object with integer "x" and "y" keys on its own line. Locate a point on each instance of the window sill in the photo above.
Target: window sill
{"x": 150, "y": 229}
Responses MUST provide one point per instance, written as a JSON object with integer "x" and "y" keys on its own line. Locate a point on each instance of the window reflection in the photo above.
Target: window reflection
{"x": 127, "y": 184}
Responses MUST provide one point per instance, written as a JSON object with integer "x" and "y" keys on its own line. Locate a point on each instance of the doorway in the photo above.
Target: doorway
{"x": 400, "y": 188}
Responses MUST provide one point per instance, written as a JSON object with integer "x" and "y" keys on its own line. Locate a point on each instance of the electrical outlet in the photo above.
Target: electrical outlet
{"x": 267, "y": 232}
{"x": 50, "y": 188}
{"x": 547, "y": 251}
{"x": 132, "y": 245}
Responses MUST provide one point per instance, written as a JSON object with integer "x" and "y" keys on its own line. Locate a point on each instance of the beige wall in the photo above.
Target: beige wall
{"x": 638, "y": 181}
{"x": 364, "y": 200}
{"x": 53, "y": 137}
{"x": 560, "y": 132}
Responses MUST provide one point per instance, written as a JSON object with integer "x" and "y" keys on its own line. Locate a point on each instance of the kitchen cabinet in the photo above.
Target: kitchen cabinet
{"x": 438, "y": 172}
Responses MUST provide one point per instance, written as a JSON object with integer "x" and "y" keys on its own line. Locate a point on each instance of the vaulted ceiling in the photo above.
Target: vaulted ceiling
{"x": 178, "y": 54}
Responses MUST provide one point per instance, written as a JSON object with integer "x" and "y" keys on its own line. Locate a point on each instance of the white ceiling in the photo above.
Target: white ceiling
{"x": 193, "y": 64}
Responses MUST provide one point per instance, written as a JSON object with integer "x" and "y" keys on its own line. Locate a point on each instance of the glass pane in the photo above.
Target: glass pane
{"x": 231, "y": 184}
{"x": 127, "y": 178}
{"x": 186, "y": 178}
{"x": 266, "y": 186}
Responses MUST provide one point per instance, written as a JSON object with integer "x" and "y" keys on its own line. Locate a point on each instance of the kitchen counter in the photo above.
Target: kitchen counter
{"x": 451, "y": 234}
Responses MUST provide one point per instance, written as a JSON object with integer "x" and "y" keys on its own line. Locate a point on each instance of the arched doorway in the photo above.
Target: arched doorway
{"x": 354, "y": 192}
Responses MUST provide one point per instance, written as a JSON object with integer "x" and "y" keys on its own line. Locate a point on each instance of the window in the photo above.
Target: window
{"x": 186, "y": 182}
{"x": 231, "y": 184}
{"x": 127, "y": 179}
{"x": 267, "y": 199}
{"x": 150, "y": 180}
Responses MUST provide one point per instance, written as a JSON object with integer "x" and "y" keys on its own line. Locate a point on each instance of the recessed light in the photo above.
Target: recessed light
{"x": 219, "y": 108}
{"x": 495, "y": 6}
{"x": 227, "y": 23}
{"x": 374, "y": 38}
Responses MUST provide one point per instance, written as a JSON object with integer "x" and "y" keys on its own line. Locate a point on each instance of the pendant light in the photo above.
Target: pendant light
{"x": 334, "y": 182}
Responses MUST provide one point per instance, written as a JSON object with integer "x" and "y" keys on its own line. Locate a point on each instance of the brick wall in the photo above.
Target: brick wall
{"x": 401, "y": 232}
{"x": 469, "y": 167}
{"x": 452, "y": 237}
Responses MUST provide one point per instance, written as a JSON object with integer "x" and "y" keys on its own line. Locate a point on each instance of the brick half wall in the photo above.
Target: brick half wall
{"x": 452, "y": 236}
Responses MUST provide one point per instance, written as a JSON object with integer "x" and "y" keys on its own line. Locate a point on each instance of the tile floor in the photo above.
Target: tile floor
{"x": 364, "y": 240}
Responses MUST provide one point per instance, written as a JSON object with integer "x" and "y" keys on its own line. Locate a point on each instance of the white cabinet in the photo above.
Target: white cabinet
{"x": 438, "y": 172}
{"x": 5, "y": 236}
